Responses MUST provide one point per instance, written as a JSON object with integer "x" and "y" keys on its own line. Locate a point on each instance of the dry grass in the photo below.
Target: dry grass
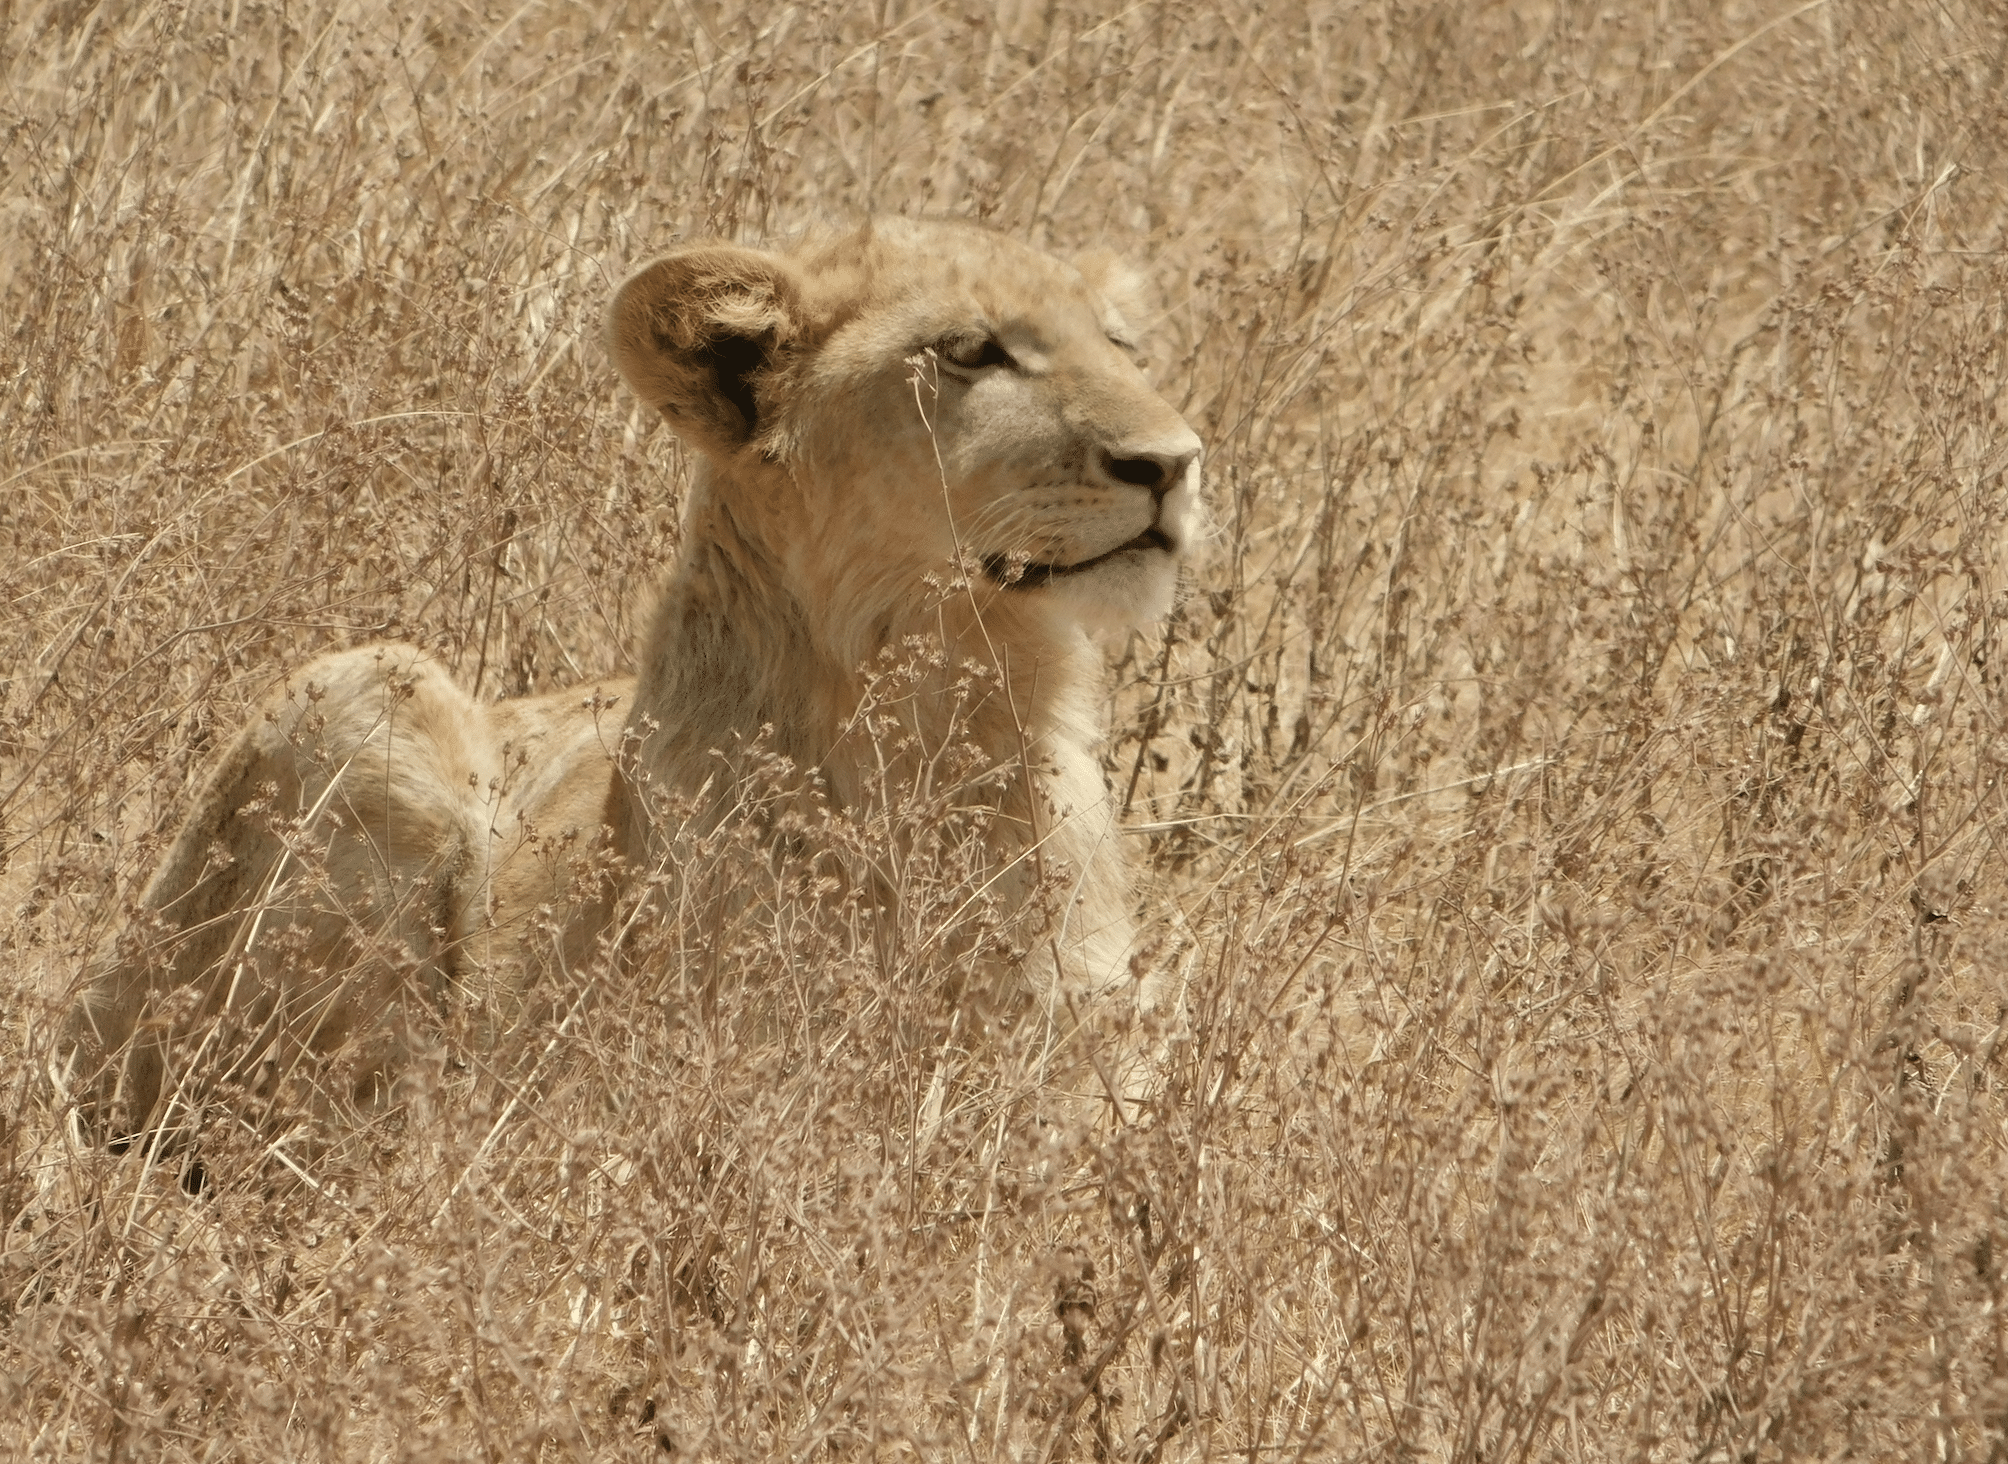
{"x": 1572, "y": 787}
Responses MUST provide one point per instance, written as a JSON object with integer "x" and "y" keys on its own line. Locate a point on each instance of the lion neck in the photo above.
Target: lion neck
{"x": 740, "y": 650}
{"x": 742, "y": 659}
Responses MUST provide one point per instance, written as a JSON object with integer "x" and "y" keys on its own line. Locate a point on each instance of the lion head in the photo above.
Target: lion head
{"x": 885, "y": 403}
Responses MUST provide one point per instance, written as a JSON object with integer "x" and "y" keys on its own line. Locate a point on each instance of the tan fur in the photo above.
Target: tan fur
{"x": 875, "y": 414}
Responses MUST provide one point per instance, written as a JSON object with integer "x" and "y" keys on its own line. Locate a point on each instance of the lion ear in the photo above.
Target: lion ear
{"x": 697, "y": 334}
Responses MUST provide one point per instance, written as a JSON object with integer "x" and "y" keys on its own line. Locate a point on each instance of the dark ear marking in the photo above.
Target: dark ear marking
{"x": 732, "y": 360}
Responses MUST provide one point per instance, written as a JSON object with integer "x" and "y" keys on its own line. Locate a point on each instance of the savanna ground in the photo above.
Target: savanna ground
{"x": 1570, "y": 791}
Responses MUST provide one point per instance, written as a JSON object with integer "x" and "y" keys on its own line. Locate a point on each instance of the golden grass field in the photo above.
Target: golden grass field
{"x": 1571, "y": 790}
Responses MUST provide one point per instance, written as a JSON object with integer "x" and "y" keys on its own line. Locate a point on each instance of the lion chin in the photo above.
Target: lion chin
{"x": 909, "y": 430}
{"x": 1117, "y": 590}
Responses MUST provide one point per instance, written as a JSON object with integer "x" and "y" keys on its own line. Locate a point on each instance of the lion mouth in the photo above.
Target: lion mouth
{"x": 1001, "y": 568}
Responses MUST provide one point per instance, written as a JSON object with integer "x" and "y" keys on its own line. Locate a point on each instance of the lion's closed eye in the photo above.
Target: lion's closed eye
{"x": 973, "y": 352}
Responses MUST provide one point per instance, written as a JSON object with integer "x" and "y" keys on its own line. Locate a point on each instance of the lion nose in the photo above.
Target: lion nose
{"x": 1159, "y": 471}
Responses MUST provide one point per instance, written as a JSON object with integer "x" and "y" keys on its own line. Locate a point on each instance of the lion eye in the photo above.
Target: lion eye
{"x": 974, "y": 353}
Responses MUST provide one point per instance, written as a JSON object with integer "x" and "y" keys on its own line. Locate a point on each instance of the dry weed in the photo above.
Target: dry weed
{"x": 1571, "y": 791}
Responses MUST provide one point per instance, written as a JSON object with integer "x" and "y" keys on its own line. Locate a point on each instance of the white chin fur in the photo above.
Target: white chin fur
{"x": 1130, "y": 591}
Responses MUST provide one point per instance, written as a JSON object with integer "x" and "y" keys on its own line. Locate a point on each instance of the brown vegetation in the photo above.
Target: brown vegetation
{"x": 1570, "y": 795}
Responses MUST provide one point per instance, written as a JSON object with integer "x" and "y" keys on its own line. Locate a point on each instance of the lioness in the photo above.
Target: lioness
{"x": 916, "y": 429}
